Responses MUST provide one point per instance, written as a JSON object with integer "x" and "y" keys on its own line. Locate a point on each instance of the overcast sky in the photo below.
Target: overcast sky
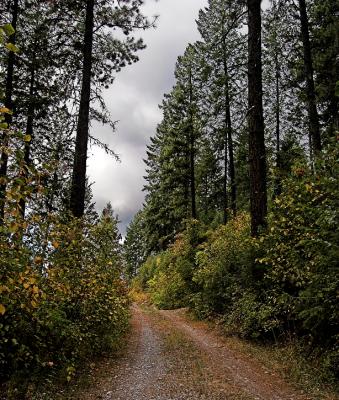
{"x": 133, "y": 100}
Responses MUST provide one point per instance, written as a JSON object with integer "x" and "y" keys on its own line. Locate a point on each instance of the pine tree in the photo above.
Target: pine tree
{"x": 135, "y": 245}
{"x": 315, "y": 139}
{"x": 127, "y": 17}
{"x": 8, "y": 104}
{"x": 257, "y": 151}
{"x": 324, "y": 31}
{"x": 172, "y": 157}
{"x": 220, "y": 27}
{"x": 77, "y": 201}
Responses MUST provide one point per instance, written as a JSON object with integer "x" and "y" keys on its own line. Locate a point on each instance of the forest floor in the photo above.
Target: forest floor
{"x": 171, "y": 357}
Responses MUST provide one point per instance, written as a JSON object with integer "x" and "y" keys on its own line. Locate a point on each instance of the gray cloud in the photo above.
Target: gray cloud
{"x": 133, "y": 100}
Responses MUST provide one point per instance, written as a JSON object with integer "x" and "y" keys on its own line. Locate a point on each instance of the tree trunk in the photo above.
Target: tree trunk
{"x": 8, "y": 117}
{"x": 53, "y": 192}
{"x": 225, "y": 178}
{"x": 29, "y": 131}
{"x": 229, "y": 141}
{"x": 277, "y": 189}
{"x": 315, "y": 140}
{"x": 257, "y": 152}
{"x": 77, "y": 201}
{"x": 192, "y": 152}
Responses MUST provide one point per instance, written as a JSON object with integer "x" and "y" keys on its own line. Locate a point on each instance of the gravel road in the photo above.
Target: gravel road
{"x": 171, "y": 358}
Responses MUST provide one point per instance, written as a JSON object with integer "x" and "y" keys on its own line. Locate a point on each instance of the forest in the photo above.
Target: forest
{"x": 240, "y": 216}
{"x": 246, "y": 158}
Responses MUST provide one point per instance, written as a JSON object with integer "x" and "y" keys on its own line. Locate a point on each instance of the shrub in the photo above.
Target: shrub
{"x": 62, "y": 302}
{"x": 168, "y": 275}
{"x": 223, "y": 267}
{"x": 301, "y": 251}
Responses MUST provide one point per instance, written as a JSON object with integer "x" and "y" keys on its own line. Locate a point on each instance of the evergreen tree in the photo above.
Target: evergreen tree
{"x": 323, "y": 15}
{"x": 257, "y": 151}
{"x": 314, "y": 128}
{"x": 134, "y": 245}
{"x": 8, "y": 103}
{"x": 127, "y": 17}
{"x": 172, "y": 157}
{"x": 220, "y": 27}
{"x": 77, "y": 201}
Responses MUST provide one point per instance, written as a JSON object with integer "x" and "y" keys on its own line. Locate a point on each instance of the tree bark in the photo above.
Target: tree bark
{"x": 229, "y": 141}
{"x": 192, "y": 152}
{"x": 29, "y": 131}
{"x": 228, "y": 132}
{"x": 257, "y": 151}
{"x": 277, "y": 189}
{"x": 225, "y": 177}
{"x": 77, "y": 201}
{"x": 315, "y": 139}
{"x": 8, "y": 117}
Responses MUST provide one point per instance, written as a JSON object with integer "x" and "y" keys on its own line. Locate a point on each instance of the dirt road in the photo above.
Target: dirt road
{"x": 171, "y": 358}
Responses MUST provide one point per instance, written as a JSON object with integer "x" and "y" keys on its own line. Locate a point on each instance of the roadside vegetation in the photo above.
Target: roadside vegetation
{"x": 63, "y": 301}
{"x": 241, "y": 212}
{"x": 279, "y": 288}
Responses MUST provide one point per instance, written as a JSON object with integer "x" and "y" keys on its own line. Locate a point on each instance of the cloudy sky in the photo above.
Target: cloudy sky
{"x": 133, "y": 100}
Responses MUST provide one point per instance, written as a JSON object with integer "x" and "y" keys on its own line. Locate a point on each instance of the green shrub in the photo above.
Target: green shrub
{"x": 168, "y": 275}
{"x": 301, "y": 251}
{"x": 63, "y": 302}
{"x": 223, "y": 267}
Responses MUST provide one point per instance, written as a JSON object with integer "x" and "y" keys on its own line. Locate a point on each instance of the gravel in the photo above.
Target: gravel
{"x": 170, "y": 358}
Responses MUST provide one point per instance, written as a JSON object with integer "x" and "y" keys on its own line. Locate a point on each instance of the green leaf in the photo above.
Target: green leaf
{"x": 337, "y": 89}
{"x": 9, "y": 30}
{"x": 12, "y": 47}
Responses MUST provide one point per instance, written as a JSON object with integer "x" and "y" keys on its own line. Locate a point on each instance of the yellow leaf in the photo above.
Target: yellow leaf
{"x": 27, "y": 138}
{"x": 26, "y": 285}
{"x": 32, "y": 281}
{"x": 12, "y": 47}
{"x": 13, "y": 228}
{"x": 2, "y": 309}
{"x": 35, "y": 289}
{"x": 5, "y": 110}
{"x": 34, "y": 304}
{"x": 55, "y": 245}
{"x": 4, "y": 289}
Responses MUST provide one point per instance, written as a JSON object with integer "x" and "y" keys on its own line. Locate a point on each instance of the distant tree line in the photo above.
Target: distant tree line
{"x": 253, "y": 95}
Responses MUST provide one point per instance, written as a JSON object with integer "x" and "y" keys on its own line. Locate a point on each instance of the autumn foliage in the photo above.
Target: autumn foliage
{"x": 61, "y": 294}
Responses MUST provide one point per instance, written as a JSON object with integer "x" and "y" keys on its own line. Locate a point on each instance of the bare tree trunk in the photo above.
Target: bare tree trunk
{"x": 257, "y": 151}
{"x": 230, "y": 140}
{"x": 52, "y": 193}
{"x": 29, "y": 132}
{"x": 192, "y": 153}
{"x": 315, "y": 139}
{"x": 225, "y": 177}
{"x": 77, "y": 201}
{"x": 8, "y": 117}
{"x": 277, "y": 189}
{"x": 227, "y": 126}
